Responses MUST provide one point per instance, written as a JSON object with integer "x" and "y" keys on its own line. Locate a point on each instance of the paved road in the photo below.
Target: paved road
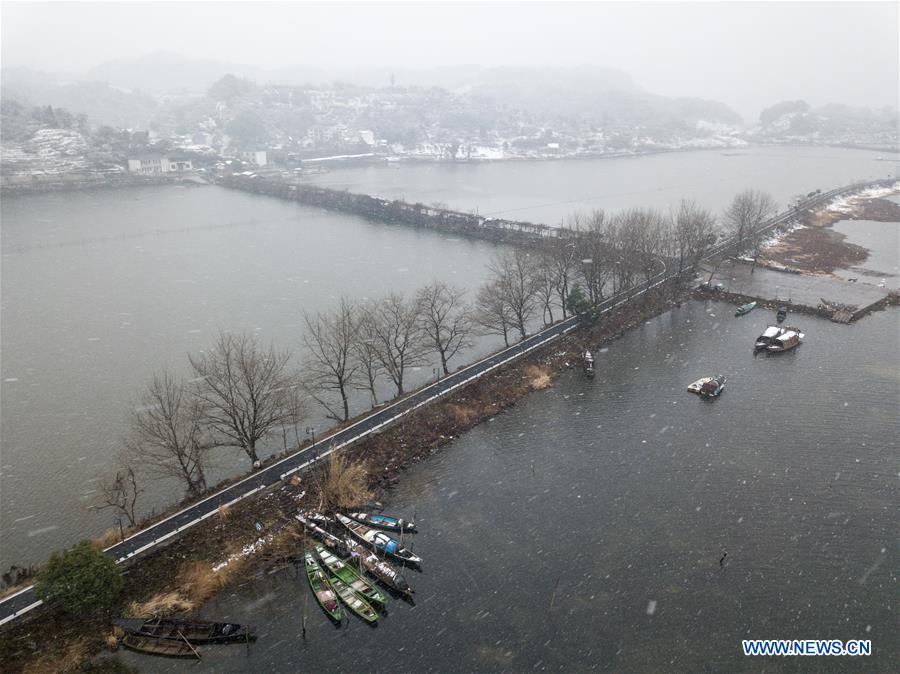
{"x": 25, "y": 600}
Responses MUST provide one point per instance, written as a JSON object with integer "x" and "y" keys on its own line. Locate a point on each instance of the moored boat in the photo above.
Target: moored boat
{"x": 359, "y": 606}
{"x": 745, "y": 309}
{"x": 790, "y": 338}
{"x": 349, "y": 576}
{"x": 325, "y": 595}
{"x": 697, "y": 385}
{"x": 195, "y": 631}
{"x": 782, "y": 313}
{"x": 172, "y": 649}
{"x": 769, "y": 336}
{"x": 379, "y": 540}
{"x": 306, "y": 520}
{"x": 713, "y": 387}
{"x": 379, "y": 568}
{"x": 384, "y": 522}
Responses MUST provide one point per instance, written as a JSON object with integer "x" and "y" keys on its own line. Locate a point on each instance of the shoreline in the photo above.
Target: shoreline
{"x": 418, "y": 436}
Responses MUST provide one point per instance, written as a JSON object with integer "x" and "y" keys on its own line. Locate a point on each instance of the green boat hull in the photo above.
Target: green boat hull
{"x": 322, "y": 589}
{"x": 359, "y": 606}
{"x": 351, "y": 578}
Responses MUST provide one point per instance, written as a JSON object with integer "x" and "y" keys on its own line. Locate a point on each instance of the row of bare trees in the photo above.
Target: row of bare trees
{"x": 243, "y": 392}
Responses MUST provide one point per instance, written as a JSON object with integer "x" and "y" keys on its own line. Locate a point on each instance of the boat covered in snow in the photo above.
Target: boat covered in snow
{"x": 379, "y": 540}
{"x": 588, "y": 363}
{"x": 768, "y": 337}
{"x": 697, "y": 385}
{"x": 786, "y": 341}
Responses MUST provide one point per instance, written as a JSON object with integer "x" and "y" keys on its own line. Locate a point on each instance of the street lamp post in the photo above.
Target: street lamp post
{"x": 312, "y": 432}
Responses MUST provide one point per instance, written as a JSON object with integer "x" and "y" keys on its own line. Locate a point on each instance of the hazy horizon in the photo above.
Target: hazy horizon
{"x": 746, "y": 55}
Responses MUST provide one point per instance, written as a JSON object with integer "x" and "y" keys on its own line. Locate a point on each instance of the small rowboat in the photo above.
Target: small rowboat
{"x": 173, "y": 649}
{"x": 324, "y": 593}
{"x": 351, "y": 578}
{"x": 769, "y": 336}
{"x": 379, "y": 540}
{"x": 782, "y": 313}
{"x": 713, "y": 387}
{"x": 359, "y": 606}
{"x": 195, "y": 631}
{"x": 745, "y": 309}
{"x": 790, "y": 338}
{"x": 697, "y": 385}
{"x": 379, "y": 568}
{"x": 384, "y": 522}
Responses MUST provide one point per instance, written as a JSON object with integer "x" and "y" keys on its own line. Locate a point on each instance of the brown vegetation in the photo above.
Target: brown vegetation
{"x": 538, "y": 376}
{"x": 345, "y": 482}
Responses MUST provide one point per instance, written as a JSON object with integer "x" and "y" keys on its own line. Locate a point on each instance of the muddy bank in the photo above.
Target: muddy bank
{"x": 229, "y": 535}
{"x": 815, "y": 248}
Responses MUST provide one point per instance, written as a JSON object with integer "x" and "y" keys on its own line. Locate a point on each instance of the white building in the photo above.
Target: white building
{"x": 255, "y": 157}
{"x": 158, "y": 164}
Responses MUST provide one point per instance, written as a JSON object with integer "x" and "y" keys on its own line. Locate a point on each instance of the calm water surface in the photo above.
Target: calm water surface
{"x": 882, "y": 239}
{"x": 99, "y": 289}
{"x": 549, "y": 191}
{"x": 102, "y": 288}
{"x": 582, "y": 529}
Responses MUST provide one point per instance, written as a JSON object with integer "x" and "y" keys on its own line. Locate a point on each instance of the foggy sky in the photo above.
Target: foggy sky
{"x": 748, "y": 55}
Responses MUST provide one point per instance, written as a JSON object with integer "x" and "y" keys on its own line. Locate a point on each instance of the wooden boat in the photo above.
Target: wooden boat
{"x": 349, "y": 576}
{"x": 769, "y": 336}
{"x": 745, "y": 309}
{"x": 697, "y": 385}
{"x": 195, "y": 631}
{"x": 782, "y": 313}
{"x": 325, "y": 595}
{"x": 790, "y": 338}
{"x": 588, "y": 363}
{"x": 379, "y": 568}
{"x": 359, "y": 606}
{"x": 379, "y": 540}
{"x": 173, "y": 649}
{"x": 329, "y": 539}
{"x": 713, "y": 387}
{"x": 384, "y": 522}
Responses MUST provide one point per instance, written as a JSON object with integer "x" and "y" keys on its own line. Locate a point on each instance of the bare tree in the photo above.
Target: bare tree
{"x": 168, "y": 435}
{"x": 330, "y": 367}
{"x": 365, "y": 355}
{"x": 444, "y": 319}
{"x": 492, "y": 314}
{"x": 692, "y": 232}
{"x": 744, "y": 218}
{"x": 563, "y": 252}
{"x": 397, "y": 337}
{"x": 246, "y": 390}
{"x": 512, "y": 273}
{"x": 120, "y": 491}
{"x": 544, "y": 277}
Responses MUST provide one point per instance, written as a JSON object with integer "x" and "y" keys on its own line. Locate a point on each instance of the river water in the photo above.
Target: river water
{"x": 101, "y": 288}
{"x": 549, "y": 191}
{"x": 583, "y": 528}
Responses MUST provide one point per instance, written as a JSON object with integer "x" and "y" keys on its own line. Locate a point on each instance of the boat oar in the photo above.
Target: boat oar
{"x": 189, "y": 644}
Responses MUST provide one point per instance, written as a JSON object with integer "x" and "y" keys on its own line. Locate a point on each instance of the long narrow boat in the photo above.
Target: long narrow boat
{"x": 329, "y": 539}
{"x": 379, "y": 540}
{"x": 173, "y": 649}
{"x": 359, "y": 606}
{"x": 384, "y": 522}
{"x": 351, "y": 578}
{"x": 195, "y": 631}
{"x": 322, "y": 589}
{"x": 745, "y": 309}
{"x": 379, "y": 568}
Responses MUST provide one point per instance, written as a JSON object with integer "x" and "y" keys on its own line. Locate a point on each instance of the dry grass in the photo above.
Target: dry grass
{"x": 69, "y": 661}
{"x": 112, "y": 640}
{"x": 224, "y": 512}
{"x": 108, "y": 538}
{"x": 161, "y": 604}
{"x": 345, "y": 483}
{"x": 462, "y": 414}
{"x": 539, "y": 377}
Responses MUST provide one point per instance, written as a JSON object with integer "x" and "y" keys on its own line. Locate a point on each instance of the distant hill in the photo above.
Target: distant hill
{"x": 101, "y": 102}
